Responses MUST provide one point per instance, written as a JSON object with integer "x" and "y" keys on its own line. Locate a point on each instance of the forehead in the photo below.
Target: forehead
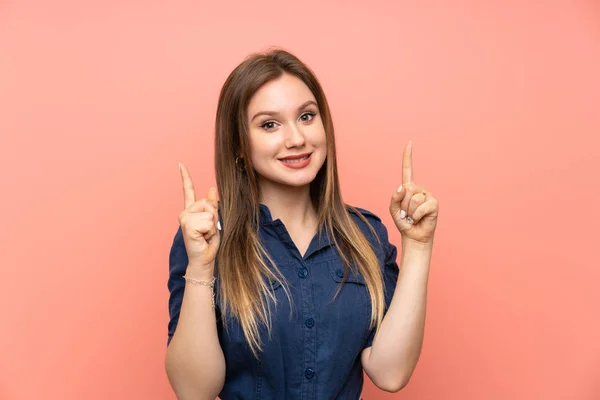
{"x": 282, "y": 94}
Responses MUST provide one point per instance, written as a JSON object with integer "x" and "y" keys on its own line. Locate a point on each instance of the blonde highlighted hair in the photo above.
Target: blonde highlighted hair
{"x": 243, "y": 264}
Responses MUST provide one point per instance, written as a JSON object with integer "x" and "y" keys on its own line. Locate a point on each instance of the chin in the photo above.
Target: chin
{"x": 297, "y": 181}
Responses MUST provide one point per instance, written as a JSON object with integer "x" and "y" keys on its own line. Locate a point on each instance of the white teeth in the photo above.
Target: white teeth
{"x": 295, "y": 161}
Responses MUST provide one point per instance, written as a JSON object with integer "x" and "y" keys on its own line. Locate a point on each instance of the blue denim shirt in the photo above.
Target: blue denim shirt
{"x": 316, "y": 355}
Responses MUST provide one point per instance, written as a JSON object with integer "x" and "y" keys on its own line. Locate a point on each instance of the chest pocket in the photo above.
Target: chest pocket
{"x": 350, "y": 312}
{"x": 337, "y": 270}
{"x": 354, "y": 294}
{"x": 284, "y": 268}
{"x": 273, "y": 284}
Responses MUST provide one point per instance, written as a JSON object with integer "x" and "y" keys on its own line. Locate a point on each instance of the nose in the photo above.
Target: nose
{"x": 294, "y": 137}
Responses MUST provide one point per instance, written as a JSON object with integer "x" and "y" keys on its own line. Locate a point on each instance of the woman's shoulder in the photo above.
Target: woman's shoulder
{"x": 362, "y": 211}
{"x": 362, "y": 216}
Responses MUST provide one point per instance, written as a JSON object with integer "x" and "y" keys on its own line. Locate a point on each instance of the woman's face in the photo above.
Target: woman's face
{"x": 287, "y": 138}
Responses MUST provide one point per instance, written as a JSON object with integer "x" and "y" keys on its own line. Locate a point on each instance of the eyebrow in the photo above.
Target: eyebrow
{"x": 303, "y": 106}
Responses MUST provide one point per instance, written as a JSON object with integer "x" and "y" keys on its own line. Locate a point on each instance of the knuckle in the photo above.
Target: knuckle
{"x": 182, "y": 216}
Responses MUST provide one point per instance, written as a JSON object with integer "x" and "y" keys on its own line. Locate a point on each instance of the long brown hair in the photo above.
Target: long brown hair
{"x": 243, "y": 271}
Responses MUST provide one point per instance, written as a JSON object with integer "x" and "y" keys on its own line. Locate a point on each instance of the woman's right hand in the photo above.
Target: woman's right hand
{"x": 199, "y": 221}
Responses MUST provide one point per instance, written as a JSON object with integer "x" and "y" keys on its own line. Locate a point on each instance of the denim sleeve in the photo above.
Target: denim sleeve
{"x": 178, "y": 261}
{"x": 390, "y": 272}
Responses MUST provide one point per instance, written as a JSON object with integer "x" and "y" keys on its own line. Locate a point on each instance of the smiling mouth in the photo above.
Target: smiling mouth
{"x": 295, "y": 159}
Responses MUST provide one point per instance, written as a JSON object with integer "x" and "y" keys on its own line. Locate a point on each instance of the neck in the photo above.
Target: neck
{"x": 292, "y": 205}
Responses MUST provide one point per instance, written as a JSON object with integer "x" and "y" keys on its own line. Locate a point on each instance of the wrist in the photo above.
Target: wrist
{"x": 205, "y": 273}
{"x": 416, "y": 246}
{"x": 202, "y": 278}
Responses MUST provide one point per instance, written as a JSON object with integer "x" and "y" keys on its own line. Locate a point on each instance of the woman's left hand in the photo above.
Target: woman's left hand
{"x": 413, "y": 208}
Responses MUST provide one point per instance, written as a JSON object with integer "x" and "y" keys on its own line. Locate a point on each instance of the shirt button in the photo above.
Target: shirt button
{"x": 302, "y": 272}
{"x": 309, "y": 373}
{"x": 340, "y": 273}
{"x": 309, "y": 322}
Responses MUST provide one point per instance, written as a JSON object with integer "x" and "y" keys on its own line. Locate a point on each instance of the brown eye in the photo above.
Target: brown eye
{"x": 268, "y": 125}
{"x": 307, "y": 116}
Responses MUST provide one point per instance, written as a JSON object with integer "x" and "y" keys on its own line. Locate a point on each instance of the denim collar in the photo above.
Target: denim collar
{"x": 320, "y": 241}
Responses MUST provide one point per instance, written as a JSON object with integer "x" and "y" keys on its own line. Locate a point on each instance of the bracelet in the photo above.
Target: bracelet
{"x": 210, "y": 284}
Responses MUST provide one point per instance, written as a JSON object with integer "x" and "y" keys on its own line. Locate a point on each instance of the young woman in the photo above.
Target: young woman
{"x": 280, "y": 290}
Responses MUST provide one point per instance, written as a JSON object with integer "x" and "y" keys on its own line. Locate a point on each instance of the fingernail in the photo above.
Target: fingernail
{"x": 400, "y": 189}
{"x": 409, "y": 220}
{"x": 219, "y": 225}
{"x": 402, "y": 214}
{"x": 179, "y": 164}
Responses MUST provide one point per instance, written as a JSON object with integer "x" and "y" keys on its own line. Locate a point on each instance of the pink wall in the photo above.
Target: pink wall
{"x": 99, "y": 101}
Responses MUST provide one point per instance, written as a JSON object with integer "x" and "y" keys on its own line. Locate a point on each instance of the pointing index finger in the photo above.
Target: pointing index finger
{"x": 189, "y": 194}
{"x": 407, "y": 169}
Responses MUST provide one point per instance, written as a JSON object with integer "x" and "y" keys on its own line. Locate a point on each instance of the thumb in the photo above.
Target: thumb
{"x": 396, "y": 200}
{"x": 212, "y": 199}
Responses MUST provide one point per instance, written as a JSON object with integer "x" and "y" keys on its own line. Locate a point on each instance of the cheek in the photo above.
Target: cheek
{"x": 320, "y": 138}
{"x": 262, "y": 146}
{"x": 317, "y": 133}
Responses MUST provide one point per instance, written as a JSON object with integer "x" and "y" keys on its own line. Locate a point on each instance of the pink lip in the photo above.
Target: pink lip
{"x": 296, "y": 164}
{"x": 295, "y": 157}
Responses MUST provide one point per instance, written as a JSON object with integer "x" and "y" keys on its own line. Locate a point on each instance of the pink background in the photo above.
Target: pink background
{"x": 99, "y": 101}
